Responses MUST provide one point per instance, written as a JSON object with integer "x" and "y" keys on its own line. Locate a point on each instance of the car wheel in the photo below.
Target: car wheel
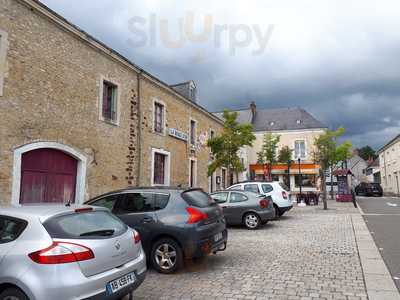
{"x": 251, "y": 220}
{"x": 277, "y": 212}
{"x": 166, "y": 256}
{"x": 13, "y": 294}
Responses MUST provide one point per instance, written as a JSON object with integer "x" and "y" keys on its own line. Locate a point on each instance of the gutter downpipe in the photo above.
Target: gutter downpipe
{"x": 139, "y": 131}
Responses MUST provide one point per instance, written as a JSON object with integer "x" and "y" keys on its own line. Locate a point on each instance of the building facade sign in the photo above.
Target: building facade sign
{"x": 180, "y": 135}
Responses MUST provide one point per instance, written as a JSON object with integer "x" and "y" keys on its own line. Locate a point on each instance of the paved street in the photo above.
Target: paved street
{"x": 383, "y": 219}
{"x": 308, "y": 254}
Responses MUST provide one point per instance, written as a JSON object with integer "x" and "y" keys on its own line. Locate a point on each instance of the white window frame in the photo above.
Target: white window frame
{"x": 164, "y": 117}
{"x": 195, "y": 132}
{"x": 223, "y": 178}
{"x": 167, "y": 171}
{"x": 3, "y": 58}
{"x": 195, "y": 172}
{"x": 305, "y": 149}
{"x": 118, "y": 104}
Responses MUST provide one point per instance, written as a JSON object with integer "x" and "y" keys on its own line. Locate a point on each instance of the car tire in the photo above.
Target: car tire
{"x": 277, "y": 212}
{"x": 264, "y": 222}
{"x": 251, "y": 220}
{"x": 13, "y": 294}
{"x": 166, "y": 256}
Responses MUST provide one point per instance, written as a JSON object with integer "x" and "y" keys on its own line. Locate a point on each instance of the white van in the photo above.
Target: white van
{"x": 278, "y": 191}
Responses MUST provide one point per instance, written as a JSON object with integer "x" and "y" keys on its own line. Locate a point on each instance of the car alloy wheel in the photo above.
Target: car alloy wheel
{"x": 251, "y": 220}
{"x": 165, "y": 256}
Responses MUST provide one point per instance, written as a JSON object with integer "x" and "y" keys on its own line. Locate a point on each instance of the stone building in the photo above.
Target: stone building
{"x": 297, "y": 130}
{"x": 389, "y": 163}
{"x": 69, "y": 107}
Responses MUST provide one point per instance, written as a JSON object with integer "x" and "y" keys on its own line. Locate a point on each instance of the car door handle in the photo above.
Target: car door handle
{"x": 224, "y": 206}
{"x": 147, "y": 220}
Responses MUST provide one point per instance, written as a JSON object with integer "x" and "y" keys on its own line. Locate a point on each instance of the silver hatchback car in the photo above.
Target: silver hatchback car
{"x": 64, "y": 253}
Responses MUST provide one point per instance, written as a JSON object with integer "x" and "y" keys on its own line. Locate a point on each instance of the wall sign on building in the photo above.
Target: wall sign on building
{"x": 178, "y": 134}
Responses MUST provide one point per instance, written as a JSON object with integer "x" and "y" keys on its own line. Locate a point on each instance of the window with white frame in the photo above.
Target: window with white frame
{"x": 159, "y": 117}
{"x": 160, "y": 167}
{"x": 109, "y": 103}
{"x": 192, "y": 172}
{"x": 300, "y": 149}
{"x": 193, "y": 125}
{"x": 3, "y": 58}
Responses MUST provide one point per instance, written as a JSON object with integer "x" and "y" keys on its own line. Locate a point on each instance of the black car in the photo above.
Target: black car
{"x": 174, "y": 224}
{"x": 369, "y": 189}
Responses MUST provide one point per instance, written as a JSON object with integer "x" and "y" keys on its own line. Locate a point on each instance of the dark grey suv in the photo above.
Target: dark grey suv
{"x": 174, "y": 224}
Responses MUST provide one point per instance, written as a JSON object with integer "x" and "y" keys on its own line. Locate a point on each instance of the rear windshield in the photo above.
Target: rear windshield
{"x": 198, "y": 198}
{"x": 10, "y": 229}
{"x": 284, "y": 186}
{"x": 86, "y": 225}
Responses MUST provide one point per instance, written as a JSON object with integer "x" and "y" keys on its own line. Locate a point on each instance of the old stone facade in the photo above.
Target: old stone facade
{"x": 68, "y": 97}
{"x": 177, "y": 115}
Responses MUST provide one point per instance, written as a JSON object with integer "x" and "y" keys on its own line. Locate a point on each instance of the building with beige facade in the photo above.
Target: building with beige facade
{"x": 77, "y": 119}
{"x": 297, "y": 130}
{"x": 389, "y": 163}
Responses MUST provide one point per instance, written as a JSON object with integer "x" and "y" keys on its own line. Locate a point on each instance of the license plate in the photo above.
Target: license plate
{"x": 118, "y": 284}
{"x": 218, "y": 237}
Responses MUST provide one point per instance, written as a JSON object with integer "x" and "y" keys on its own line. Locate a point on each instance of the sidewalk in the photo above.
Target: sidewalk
{"x": 307, "y": 255}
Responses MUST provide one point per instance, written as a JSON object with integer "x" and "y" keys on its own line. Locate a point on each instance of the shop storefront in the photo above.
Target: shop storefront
{"x": 305, "y": 174}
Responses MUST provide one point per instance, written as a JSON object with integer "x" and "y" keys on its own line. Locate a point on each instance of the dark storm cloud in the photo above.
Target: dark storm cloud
{"x": 337, "y": 59}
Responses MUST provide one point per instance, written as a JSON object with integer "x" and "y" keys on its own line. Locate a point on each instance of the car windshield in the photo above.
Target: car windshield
{"x": 93, "y": 224}
{"x": 284, "y": 186}
{"x": 198, "y": 198}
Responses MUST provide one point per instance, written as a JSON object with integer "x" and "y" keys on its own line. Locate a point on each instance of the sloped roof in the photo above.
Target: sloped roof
{"x": 278, "y": 119}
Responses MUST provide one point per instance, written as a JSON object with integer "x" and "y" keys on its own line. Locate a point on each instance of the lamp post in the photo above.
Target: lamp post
{"x": 300, "y": 177}
{"x": 289, "y": 162}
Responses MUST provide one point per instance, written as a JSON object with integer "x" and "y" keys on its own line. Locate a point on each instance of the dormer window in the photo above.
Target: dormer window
{"x": 298, "y": 122}
{"x": 272, "y": 123}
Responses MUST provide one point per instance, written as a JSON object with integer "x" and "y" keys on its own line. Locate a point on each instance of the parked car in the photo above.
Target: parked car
{"x": 278, "y": 191}
{"x": 247, "y": 208}
{"x": 369, "y": 189}
{"x": 174, "y": 223}
{"x": 63, "y": 253}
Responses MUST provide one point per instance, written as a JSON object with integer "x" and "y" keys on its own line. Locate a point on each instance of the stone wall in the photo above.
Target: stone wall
{"x": 51, "y": 93}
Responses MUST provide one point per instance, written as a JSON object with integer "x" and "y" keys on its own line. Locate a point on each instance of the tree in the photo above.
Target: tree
{"x": 285, "y": 154}
{"x": 328, "y": 153}
{"x": 267, "y": 155}
{"x": 226, "y": 146}
{"x": 366, "y": 152}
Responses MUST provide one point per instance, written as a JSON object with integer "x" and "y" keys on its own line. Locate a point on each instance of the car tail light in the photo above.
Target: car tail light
{"x": 284, "y": 195}
{"x": 62, "y": 253}
{"x": 264, "y": 203}
{"x": 136, "y": 237}
{"x": 195, "y": 215}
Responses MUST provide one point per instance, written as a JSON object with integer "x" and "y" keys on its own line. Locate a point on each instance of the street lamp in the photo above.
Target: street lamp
{"x": 300, "y": 177}
{"x": 289, "y": 162}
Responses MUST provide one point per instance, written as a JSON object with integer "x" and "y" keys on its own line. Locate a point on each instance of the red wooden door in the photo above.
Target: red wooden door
{"x": 48, "y": 176}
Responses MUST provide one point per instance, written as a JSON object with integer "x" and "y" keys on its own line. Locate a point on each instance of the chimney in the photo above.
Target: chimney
{"x": 253, "y": 108}
{"x": 186, "y": 89}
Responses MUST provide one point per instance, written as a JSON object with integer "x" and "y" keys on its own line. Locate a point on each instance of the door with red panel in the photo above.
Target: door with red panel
{"x": 48, "y": 176}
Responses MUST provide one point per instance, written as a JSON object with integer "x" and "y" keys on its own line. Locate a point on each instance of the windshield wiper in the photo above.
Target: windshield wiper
{"x": 105, "y": 232}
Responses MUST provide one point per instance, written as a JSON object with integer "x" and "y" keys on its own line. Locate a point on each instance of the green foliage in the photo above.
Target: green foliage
{"x": 268, "y": 149}
{"x": 328, "y": 152}
{"x": 285, "y": 154}
{"x": 366, "y": 152}
{"x": 226, "y": 146}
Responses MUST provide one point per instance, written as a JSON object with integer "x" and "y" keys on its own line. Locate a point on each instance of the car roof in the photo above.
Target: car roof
{"x": 256, "y": 182}
{"x": 168, "y": 189}
{"x": 240, "y": 191}
{"x": 40, "y": 211}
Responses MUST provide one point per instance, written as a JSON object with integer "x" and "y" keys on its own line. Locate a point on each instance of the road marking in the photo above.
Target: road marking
{"x": 391, "y": 204}
{"x": 381, "y": 215}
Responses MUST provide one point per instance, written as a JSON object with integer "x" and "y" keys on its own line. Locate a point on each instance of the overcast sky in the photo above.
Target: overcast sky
{"x": 338, "y": 59}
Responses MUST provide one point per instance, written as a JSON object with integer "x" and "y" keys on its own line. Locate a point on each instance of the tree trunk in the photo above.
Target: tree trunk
{"x": 323, "y": 187}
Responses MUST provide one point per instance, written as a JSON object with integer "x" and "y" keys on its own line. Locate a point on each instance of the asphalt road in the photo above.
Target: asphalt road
{"x": 382, "y": 215}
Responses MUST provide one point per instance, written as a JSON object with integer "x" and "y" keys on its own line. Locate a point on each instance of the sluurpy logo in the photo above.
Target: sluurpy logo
{"x": 155, "y": 32}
